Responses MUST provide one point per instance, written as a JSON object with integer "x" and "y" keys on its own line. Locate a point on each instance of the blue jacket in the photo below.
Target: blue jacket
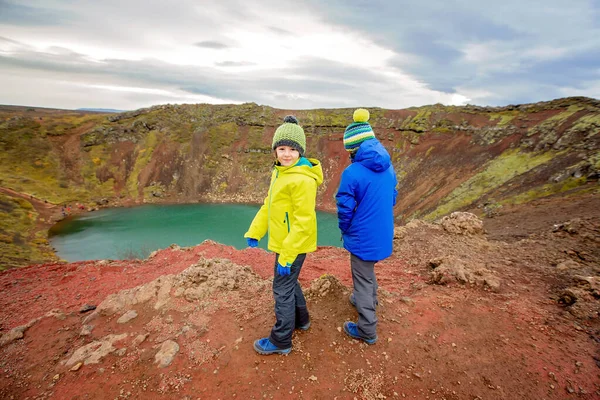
{"x": 365, "y": 203}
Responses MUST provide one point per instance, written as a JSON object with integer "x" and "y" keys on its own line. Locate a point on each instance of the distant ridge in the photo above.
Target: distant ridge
{"x": 105, "y": 110}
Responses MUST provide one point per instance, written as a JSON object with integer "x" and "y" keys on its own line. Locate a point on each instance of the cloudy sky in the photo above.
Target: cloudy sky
{"x": 127, "y": 54}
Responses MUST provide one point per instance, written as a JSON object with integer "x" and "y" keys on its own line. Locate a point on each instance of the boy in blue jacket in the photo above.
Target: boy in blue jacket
{"x": 365, "y": 208}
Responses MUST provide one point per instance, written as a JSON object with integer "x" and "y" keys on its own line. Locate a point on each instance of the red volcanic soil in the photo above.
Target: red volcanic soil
{"x": 500, "y": 317}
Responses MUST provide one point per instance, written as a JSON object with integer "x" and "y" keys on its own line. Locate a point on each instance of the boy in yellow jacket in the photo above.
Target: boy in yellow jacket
{"x": 288, "y": 215}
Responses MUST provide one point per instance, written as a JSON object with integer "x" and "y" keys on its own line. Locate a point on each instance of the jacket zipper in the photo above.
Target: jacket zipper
{"x": 287, "y": 219}
{"x": 270, "y": 198}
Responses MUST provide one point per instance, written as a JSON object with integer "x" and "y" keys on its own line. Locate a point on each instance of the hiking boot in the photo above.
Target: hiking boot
{"x": 265, "y": 347}
{"x": 351, "y": 330}
{"x": 304, "y": 327}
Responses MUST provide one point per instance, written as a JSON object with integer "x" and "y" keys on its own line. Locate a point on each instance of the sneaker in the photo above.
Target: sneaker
{"x": 304, "y": 327}
{"x": 351, "y": 330}
{"x": 264, "y": 346}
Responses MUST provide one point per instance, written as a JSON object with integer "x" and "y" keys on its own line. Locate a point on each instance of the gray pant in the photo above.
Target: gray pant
{"x": 365, "y": 295}
{"x": 290, "y": 305}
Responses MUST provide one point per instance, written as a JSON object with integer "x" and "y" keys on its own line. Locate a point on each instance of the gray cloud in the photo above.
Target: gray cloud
{"x": 310, "y": 82}
{"x": 279, "y": 31}
{"x": 19, "y": 14}
{"x": 494, "y": 52}
{"x": 8, "y": 40}
{"x": 434, "y": 35}
{"x": 234, "y": 64}
{"x": 209, "y": 44}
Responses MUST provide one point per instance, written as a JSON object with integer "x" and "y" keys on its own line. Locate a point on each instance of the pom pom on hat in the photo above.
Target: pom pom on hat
{"x": 291, "y": 119}
{"x": 358, "y": 131}
{"x": 290, "y": 133}
{"x": 360, "y": 115}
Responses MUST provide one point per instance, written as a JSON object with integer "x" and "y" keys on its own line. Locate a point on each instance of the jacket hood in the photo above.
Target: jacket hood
{"x": 373, "y": 155}
{"x": 306, "y": 166}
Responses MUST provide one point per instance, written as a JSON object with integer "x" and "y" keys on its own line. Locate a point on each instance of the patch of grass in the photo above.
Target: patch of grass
{"x": 546, "y": 190}
{"x": 153, "y": 192}
{"x": 146, "y": 149}
{"x": 589, "y": 123}
{"x": 505, "y": 117}
{"x": 18, "y": 245}
{"x": 255, "y": 139}
{"x": 502, "y": 169}
{"x": 551, "y": 124}
{"x": 419, "y": 123}
{"x": 96, "y": 157}
{"x": 221, "y": 136}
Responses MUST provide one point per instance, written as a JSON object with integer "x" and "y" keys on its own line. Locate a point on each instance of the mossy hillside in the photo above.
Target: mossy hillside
{"x": 588, "y": 125}
{"x": 95, "y": 158}
{"x": 419, "y": 123}
{"x": 221, "y": 137}
{"x": 553, "y": 123}
{"x": 335, "y": 118}
{"x": 255, "y": 140}
{"x": 331, "y": 120}
{"x": 30, "y": 164}
{"x": 144, "y": 152}
{"x": 67, "y": 123}
{"x": 496, "y": 172}
{"x": 252, "y": 127}
{"x": 546, "y": 190}
{"x": 503, "y": 118}
{"x": 18, "y": 245}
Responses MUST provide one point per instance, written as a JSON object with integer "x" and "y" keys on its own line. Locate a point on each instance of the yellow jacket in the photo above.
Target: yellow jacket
{"x": 288, "y": 212}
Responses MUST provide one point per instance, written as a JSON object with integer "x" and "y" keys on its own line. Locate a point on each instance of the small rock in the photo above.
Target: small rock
{"x": 86, "y": 330}
{"x": 87, "y": 307}
{"x": 408, "y": 301}
{"x": 166, "y": 354}
{"x": 128, "y": 316}
{"x": 77, "y": 366}
{"x": 139, "y": 339}
{"x": 90, "y": 317}
{"x": 312, "y": 378}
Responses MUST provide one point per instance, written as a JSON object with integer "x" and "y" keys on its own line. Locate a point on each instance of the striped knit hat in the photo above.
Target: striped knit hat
{"x": 290, "y": 133}
{"x": 358, "y": 131}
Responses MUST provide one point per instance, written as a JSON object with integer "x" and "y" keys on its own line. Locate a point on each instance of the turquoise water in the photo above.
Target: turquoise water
{"x": 120, "y": 233}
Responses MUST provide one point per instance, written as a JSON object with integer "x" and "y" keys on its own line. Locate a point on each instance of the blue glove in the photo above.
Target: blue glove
{"x": 284, "y": 271}
{"x": 252, "y": 242}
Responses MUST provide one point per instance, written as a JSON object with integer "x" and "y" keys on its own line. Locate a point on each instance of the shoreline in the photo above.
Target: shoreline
{"x": 49, "y": 214}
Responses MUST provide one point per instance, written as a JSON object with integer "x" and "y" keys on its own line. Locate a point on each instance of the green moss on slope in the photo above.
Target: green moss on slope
{"x": 505, "y": 167}
{"x": 17, "y": 222}
{"x": 545, "y": 191}
{"x": 504, "y": 117}
{"x": 144, "y": 155}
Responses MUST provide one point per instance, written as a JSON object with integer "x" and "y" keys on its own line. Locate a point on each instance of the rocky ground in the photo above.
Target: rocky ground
{"x": 505, "y": 309}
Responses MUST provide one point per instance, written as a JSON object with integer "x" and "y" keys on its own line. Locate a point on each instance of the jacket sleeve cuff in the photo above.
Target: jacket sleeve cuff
{"x": 286, "y": 259}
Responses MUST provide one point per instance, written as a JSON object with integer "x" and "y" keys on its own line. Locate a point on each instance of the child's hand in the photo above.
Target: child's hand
{"x": 252, "y": 242}
{"x": 284, "y": 270}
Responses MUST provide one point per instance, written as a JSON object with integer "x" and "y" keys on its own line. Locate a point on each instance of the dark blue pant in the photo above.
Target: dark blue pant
{"x": 290, "y": 305}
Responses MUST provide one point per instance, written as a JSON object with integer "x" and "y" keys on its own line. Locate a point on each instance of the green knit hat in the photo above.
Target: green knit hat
{"x": 290, "y": 134}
